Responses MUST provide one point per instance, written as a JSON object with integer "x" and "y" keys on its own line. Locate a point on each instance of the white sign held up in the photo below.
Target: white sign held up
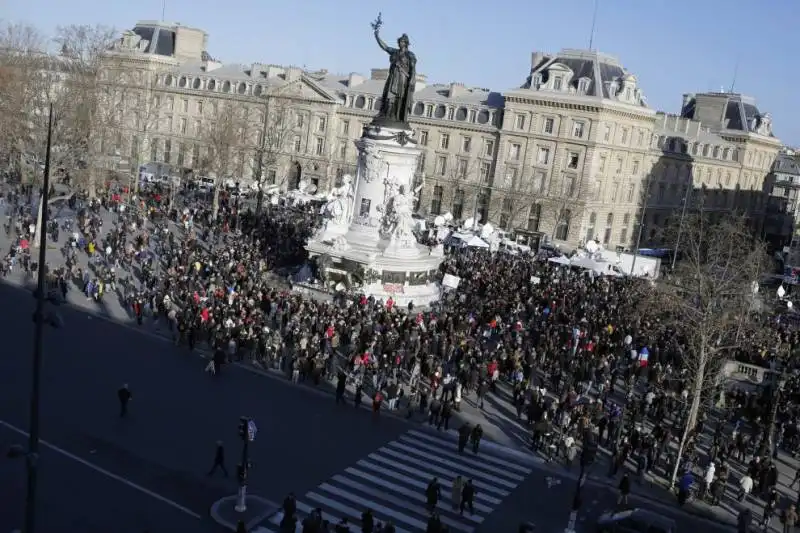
{"x": 450, "y": 281}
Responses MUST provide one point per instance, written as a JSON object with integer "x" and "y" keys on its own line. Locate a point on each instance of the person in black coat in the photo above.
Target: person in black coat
{"x": 468, "y": 497}
{"x": 124, "y": 395}
{"x": 219, "y": 460}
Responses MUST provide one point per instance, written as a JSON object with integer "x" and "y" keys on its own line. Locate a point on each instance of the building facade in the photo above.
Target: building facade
{"x": 574, "y": 153}
{"x": 782, "y": 195}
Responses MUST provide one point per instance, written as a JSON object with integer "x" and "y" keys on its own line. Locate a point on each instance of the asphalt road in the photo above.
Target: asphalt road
{"x": 74, "y": 497}
{"x": 177, "y": 414}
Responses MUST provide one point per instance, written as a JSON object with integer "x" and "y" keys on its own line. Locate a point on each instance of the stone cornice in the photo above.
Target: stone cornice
{"x": 580, "y": 104}
{"x": 747, "y": 137}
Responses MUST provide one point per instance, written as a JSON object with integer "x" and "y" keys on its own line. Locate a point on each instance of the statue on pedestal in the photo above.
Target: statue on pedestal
{"x": 340, "y": 201}
{"x": 398, "y": 91}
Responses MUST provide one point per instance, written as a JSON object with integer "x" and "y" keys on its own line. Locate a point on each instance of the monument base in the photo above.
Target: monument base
{"x": 410, "y": 278}
{"x": 376, "y": 252}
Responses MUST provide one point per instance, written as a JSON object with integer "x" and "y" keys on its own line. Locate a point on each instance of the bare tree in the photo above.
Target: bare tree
{"x": 461, "y": 183}
{"x": 510, "y": 199}
{"x": 26, "y": 82}
{"x": 272, "y": 141}
{"x": 707, "y": 303}
{"x": 224, "y": 136}
{"x": 135, "y": 110}
{"x": 86, "y": 109}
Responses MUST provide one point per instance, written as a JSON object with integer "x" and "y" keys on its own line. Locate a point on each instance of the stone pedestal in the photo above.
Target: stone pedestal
{"x": 371, "y": 252}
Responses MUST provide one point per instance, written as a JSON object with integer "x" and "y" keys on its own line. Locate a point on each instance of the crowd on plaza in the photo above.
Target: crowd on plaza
{"x": 576, "y": 351}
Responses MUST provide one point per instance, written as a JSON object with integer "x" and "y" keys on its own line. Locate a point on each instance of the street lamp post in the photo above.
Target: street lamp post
{"x": 680, "y": 227}
{"x": 260, "y": 161}
{"x": 32, "y": 455}
{"x": 646, "y": 197}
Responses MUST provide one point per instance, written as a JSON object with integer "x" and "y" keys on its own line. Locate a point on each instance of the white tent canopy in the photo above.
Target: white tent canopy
{"x": 560, "y": 260}
{"x": 477, "y": 242}
{"x": 602, "y": 268}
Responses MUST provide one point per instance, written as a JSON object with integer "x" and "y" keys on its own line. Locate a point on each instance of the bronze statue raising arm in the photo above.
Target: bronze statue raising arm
{"x": 385, "y": 47}
{"x": 376, "y": 26}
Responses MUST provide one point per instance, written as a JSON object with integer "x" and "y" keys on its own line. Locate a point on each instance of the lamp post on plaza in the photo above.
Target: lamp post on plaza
{"x": 680, "y": 224}
{"x": 31, "y": 455}
{"x": 645, "y": 203}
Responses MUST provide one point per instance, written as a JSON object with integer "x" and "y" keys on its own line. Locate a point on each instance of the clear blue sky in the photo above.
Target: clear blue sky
{"x": 673, "y": 46}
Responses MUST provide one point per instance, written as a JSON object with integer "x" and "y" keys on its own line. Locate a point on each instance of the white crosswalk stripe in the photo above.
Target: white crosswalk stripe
{"x": 392, "y": 481}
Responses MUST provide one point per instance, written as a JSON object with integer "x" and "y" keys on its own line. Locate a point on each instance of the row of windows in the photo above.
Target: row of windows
{"x": 580, "y": 129}
{"x": 422, "y": 109}
{"x": 320, "y": 122}
{"x": 676, "y": 145}
{"x": 606, "y": 237}
{"x": 224, "y": 86}
{"x": 572, "y": 159}
{"x": 466, "y": 144}
{"x": 459, "y": 114}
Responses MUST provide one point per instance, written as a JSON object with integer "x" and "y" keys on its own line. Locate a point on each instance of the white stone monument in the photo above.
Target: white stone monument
{"x": 369, "y": 232}
{"x": 368, "y": 241}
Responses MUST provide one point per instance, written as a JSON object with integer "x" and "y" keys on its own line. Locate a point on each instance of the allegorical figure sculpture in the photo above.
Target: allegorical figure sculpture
{"x": 398, "y": 222}
{"x": 398, "y": 91}
{"x": 339, "y": 201}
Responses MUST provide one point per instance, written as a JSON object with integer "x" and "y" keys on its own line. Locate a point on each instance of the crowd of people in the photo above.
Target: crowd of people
{"x": 576, "y": 351}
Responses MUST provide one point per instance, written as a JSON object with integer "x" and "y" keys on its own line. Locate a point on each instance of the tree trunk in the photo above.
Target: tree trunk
{"x": 259, "y": 200}
{"x": 35, "y": 237}
{"x": 92, "y": 185}
{"x": 134, "y": 190}
{"x": 215, "y": 203}
{"x": 691, "y": 419}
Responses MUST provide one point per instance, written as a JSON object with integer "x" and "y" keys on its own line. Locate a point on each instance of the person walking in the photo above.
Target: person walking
{"x": 124, "y": 395}
{"x": 219, "y": 460}
{"x": 455, "y": 494}
{"x": 432, "y": 494}
{"x": 624, "y": 490}
{"x": 467, "y": 498}
{"x": 475, "y": 437}
{"x": 789, "y": 519}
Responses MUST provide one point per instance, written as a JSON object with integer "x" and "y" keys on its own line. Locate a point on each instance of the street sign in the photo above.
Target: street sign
{"x": 251, "y": 430}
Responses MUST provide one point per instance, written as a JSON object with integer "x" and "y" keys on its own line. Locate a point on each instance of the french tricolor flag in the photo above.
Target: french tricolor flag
{"x": 644, "y": 355}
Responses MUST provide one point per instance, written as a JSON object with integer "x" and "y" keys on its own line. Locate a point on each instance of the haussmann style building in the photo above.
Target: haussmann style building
{"x": 574, "y": 153}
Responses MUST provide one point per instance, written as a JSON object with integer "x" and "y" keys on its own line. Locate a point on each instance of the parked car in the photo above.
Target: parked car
{"x": 635, "y": 521}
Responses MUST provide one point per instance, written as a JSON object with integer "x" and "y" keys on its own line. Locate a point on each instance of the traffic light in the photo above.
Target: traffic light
{"x": 243, "y": 421}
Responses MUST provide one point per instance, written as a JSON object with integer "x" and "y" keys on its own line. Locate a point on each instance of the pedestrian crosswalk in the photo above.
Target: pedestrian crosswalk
{"x": 392, "y": 481}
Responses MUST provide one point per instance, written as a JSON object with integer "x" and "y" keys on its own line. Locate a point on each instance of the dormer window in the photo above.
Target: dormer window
{"x": 558, "y": 83}
{"x": 536, "y": 83}
{"x": 628, "y": 94}
{"x": 583, "y": 85}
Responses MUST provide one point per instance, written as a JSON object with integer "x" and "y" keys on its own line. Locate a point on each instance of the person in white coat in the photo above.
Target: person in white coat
{"x": 708, "y": 478}
{"x": 745, "y": 487}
